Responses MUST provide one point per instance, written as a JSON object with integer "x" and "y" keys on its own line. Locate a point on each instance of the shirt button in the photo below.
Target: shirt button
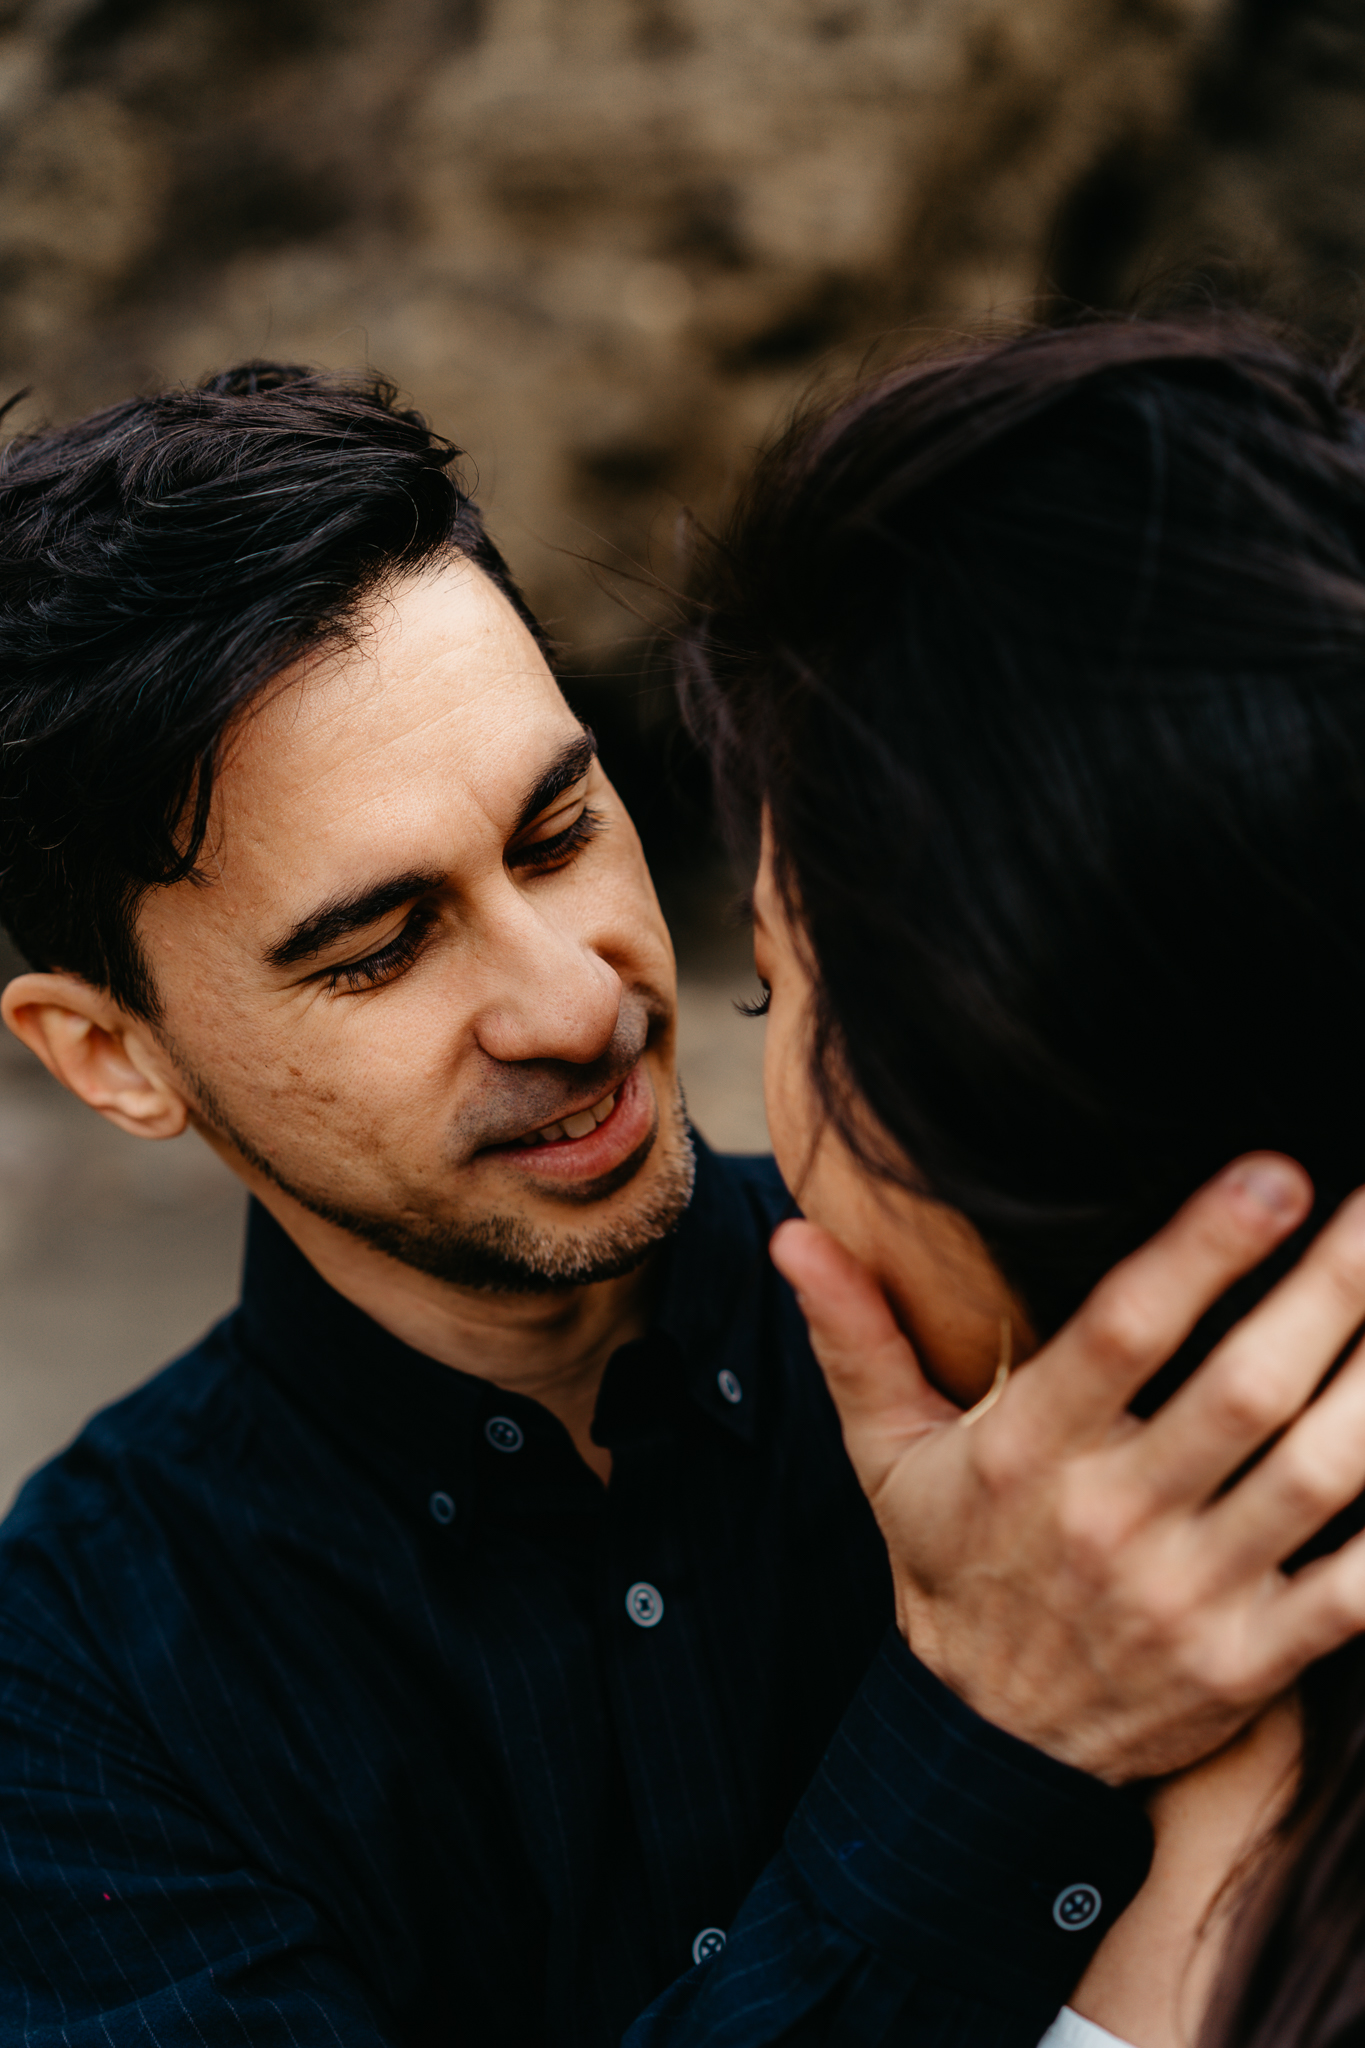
{"x": 708, "y": 1943}
{"x": 503, "y": 1433}
{"x": 731, "y": 1391}
{"x": 441, "y": 1508}
{"x": 1077, "y": 1907}
{"x": 645, "y": 1604}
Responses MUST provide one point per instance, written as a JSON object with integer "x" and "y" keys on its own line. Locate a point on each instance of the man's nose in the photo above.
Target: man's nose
{"x": 548, "y": 994}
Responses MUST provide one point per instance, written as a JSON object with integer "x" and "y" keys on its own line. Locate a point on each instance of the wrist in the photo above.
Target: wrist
{"x": 1034, "y": 1706}
{"x": 929, "y": 1832}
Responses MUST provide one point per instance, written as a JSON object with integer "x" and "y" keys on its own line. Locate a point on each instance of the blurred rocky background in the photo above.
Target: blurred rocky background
{"x": 603, "y": 243}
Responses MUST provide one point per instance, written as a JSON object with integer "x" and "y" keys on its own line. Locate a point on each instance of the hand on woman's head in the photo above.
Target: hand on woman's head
{"x": 946, "y": 1291}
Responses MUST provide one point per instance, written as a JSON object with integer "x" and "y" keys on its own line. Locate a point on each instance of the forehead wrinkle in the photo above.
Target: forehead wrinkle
{"x": 428, "y": 718}
{"x": 447, "y": 617}
{"x": 311, "y": 778}
{"x": 492, "y": 797}
{"x": 370, "y": 723}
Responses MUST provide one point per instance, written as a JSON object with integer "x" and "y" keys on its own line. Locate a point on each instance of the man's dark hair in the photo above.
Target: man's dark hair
{"x": 160, "y": 562}
{"x": 1047, "y": 658}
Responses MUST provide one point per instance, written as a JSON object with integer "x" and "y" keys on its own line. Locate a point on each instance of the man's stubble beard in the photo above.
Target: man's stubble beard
{"x": 499, "y": 1252}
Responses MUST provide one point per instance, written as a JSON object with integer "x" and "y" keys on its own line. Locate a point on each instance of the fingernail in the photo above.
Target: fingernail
{"x": 1273, "y": 1188}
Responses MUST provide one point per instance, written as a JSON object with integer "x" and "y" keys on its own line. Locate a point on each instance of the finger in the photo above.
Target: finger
{"x": 1316, "y": 1470}
{"x": 1079, "y": 1385}
{"x": 1314, "y": 1613}
{"x": 1262, "y": 1373}
{"x": 874, "y": 1379}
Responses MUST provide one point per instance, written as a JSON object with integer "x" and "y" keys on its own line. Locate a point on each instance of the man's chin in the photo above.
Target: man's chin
{"x": 504, "y": 1251}
{"x": 518, "y": 1246}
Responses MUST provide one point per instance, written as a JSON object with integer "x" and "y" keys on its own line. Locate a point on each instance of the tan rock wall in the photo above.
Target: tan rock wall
{"x": 604, "y": 242}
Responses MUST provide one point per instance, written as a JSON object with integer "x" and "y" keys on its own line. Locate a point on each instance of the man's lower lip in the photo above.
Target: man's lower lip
{"x": 601, "y": 1149}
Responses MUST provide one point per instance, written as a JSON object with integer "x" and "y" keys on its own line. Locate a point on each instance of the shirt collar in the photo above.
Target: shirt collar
{"x": 400, "y": 1409}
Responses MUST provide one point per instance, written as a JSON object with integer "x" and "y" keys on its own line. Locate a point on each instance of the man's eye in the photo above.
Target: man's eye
{"x": 388, "y": 962}
{"x": 561, "y": 847}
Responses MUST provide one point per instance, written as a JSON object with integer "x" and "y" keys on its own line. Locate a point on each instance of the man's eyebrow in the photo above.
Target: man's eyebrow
{"x": 569, "y": 767}
{"x": 347, "y": 914}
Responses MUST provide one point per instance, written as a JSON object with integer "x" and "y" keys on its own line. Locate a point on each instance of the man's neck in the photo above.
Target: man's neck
{"x": 552, "y": 1347}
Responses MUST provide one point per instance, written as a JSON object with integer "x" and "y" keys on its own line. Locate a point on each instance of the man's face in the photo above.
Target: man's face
{"x": 425, "y": 987}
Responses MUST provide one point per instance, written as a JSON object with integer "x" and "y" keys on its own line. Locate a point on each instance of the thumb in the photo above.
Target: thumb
{"x": 874, "y": 1379}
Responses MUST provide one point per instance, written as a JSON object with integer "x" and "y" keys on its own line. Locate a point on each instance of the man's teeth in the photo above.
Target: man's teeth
{"x": 576, "y": 1126}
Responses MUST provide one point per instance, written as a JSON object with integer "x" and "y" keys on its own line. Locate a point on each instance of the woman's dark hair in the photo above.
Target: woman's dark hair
{"x": 1047, "y": 658}
{"x": 159, "y": 564}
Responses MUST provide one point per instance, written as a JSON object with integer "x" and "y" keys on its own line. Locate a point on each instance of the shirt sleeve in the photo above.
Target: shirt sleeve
{"x": 126, "y": 1914}
{"x": 941, "y": 1885}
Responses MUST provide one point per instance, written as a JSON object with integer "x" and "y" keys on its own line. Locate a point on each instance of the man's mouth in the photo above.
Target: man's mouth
{"x": 591, "y": 1141}
{"x": 576, "y": 1126}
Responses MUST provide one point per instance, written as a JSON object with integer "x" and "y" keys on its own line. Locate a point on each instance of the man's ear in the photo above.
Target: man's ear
{"x": 99, "y": 1052}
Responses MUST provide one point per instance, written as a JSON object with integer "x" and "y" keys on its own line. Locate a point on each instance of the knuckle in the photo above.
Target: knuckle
{"x": 1206, "y": 1653}
{"x": 1344, "y": 1271}
{"x": 1162, "y": 1603}
{"x": 1219, "y": 1669}
{"x": 1338, "y": 1601}
{"x": 1340, "y": 1610}
{"x": 1245, "y": 1399}
{"x": 1003, "y": 1460}
{"x": 1307, "y": 1476}
{"x": 1120, "y": 1325}
{"x": 1092, "y": 1526}
{"x": 1346, "y": 1610}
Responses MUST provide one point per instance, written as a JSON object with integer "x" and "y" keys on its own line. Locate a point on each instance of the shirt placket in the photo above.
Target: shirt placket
{"x": 685, "y": 1791}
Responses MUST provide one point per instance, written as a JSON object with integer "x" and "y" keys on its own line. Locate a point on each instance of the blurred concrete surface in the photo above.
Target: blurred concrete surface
{"x": 116, "y": 1254}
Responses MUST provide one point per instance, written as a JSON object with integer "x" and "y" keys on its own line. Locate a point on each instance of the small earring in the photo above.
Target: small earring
{"x": 1002, "y": 1372}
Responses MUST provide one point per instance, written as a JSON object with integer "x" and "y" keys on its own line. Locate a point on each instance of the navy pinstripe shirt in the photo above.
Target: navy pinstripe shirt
{"x": 340, "y": 1704}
